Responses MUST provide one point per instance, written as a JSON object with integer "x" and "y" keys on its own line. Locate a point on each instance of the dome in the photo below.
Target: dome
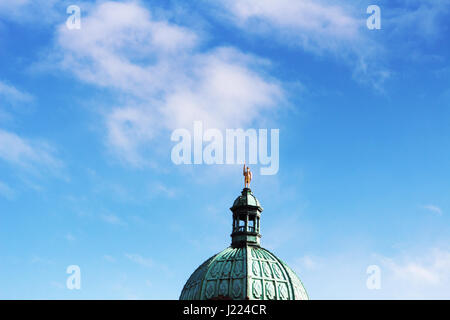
{"x": 247, "y": 272}
{"x": 244, "y": 270}
{"x": 246, "y": 199}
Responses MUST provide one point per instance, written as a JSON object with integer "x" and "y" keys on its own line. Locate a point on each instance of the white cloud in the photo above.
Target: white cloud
{"x": 27, "y": 154}
{"x": 158, "y": 189}
{"x": 336, "y": 28}
{"x": 307, "y": 262}
{"x": 114, "y": 38}
{"x": 139, "y": 259}
{"x": 112, "y": 219}
{"x": 317, "y": 24}
{"x": 16, "y": 150}
{"x": 12, "y": 94}
{"x": 423, "y": 18}
{"x": 6, "y": 6}
{"x": 164, "y": 75}
{"x": 433, "y": 208}
{"x": 223, "y": 92}
{"x": 128, "y": 129}
{"x": 413, "y": 274}
{"x": 10, "y": 98}
{"x": 6, "y": 191}
{"x": 430, "y": 270}
{"x": 38, "y": 12}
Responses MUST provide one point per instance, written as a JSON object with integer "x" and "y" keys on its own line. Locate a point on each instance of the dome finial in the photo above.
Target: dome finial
{"x": 247, "y": 176}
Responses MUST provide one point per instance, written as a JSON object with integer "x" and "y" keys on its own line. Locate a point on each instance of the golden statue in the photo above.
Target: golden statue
{"x": 248, "y": 176}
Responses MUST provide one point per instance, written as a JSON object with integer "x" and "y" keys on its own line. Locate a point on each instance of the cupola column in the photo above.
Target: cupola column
{"x": 246, "y": 210}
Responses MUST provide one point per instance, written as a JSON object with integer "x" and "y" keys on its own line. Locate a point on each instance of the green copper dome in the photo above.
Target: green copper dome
{"x": 249, "y": 272}
{"x": 244, "y": 270}
{"x": 246, "y": 199}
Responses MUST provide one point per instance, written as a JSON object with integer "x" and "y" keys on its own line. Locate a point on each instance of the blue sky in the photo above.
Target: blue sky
{"x": 86, "y": 116}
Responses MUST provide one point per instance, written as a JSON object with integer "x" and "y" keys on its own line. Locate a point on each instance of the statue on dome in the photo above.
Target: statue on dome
{"x": 247, "y": 176}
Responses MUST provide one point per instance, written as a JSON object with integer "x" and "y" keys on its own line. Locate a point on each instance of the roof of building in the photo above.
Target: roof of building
{"x": 244, "y": 270}
{"x": 248, "y": 272}
{"x": 246, "y": 199}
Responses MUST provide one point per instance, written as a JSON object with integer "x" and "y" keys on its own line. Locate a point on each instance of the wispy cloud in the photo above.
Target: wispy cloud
{"x": 28, "y": 154}
{"x": 166, "y": 77}
{"x": 431, "y": 269}
{"x": 38, "y": 12}
{"x": 12, "y": 94}
{"x": 112, "y": 219}
{"x": 159, "y": 189}
{"x": 13, "y": 100}
{"x": 334, "y": 28}
{"x": 6, "y": 191}
{"x": 433, "y": 208}
{"x": 411, "y": 274}
{"x": 315, "y": 25}
{"x": 32, "y": 155}
{"x": 423, "y": 18}
{"x": 145, "y": 262}
{"x": 338, "y": 29}
{"x": 307, "y": 262}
